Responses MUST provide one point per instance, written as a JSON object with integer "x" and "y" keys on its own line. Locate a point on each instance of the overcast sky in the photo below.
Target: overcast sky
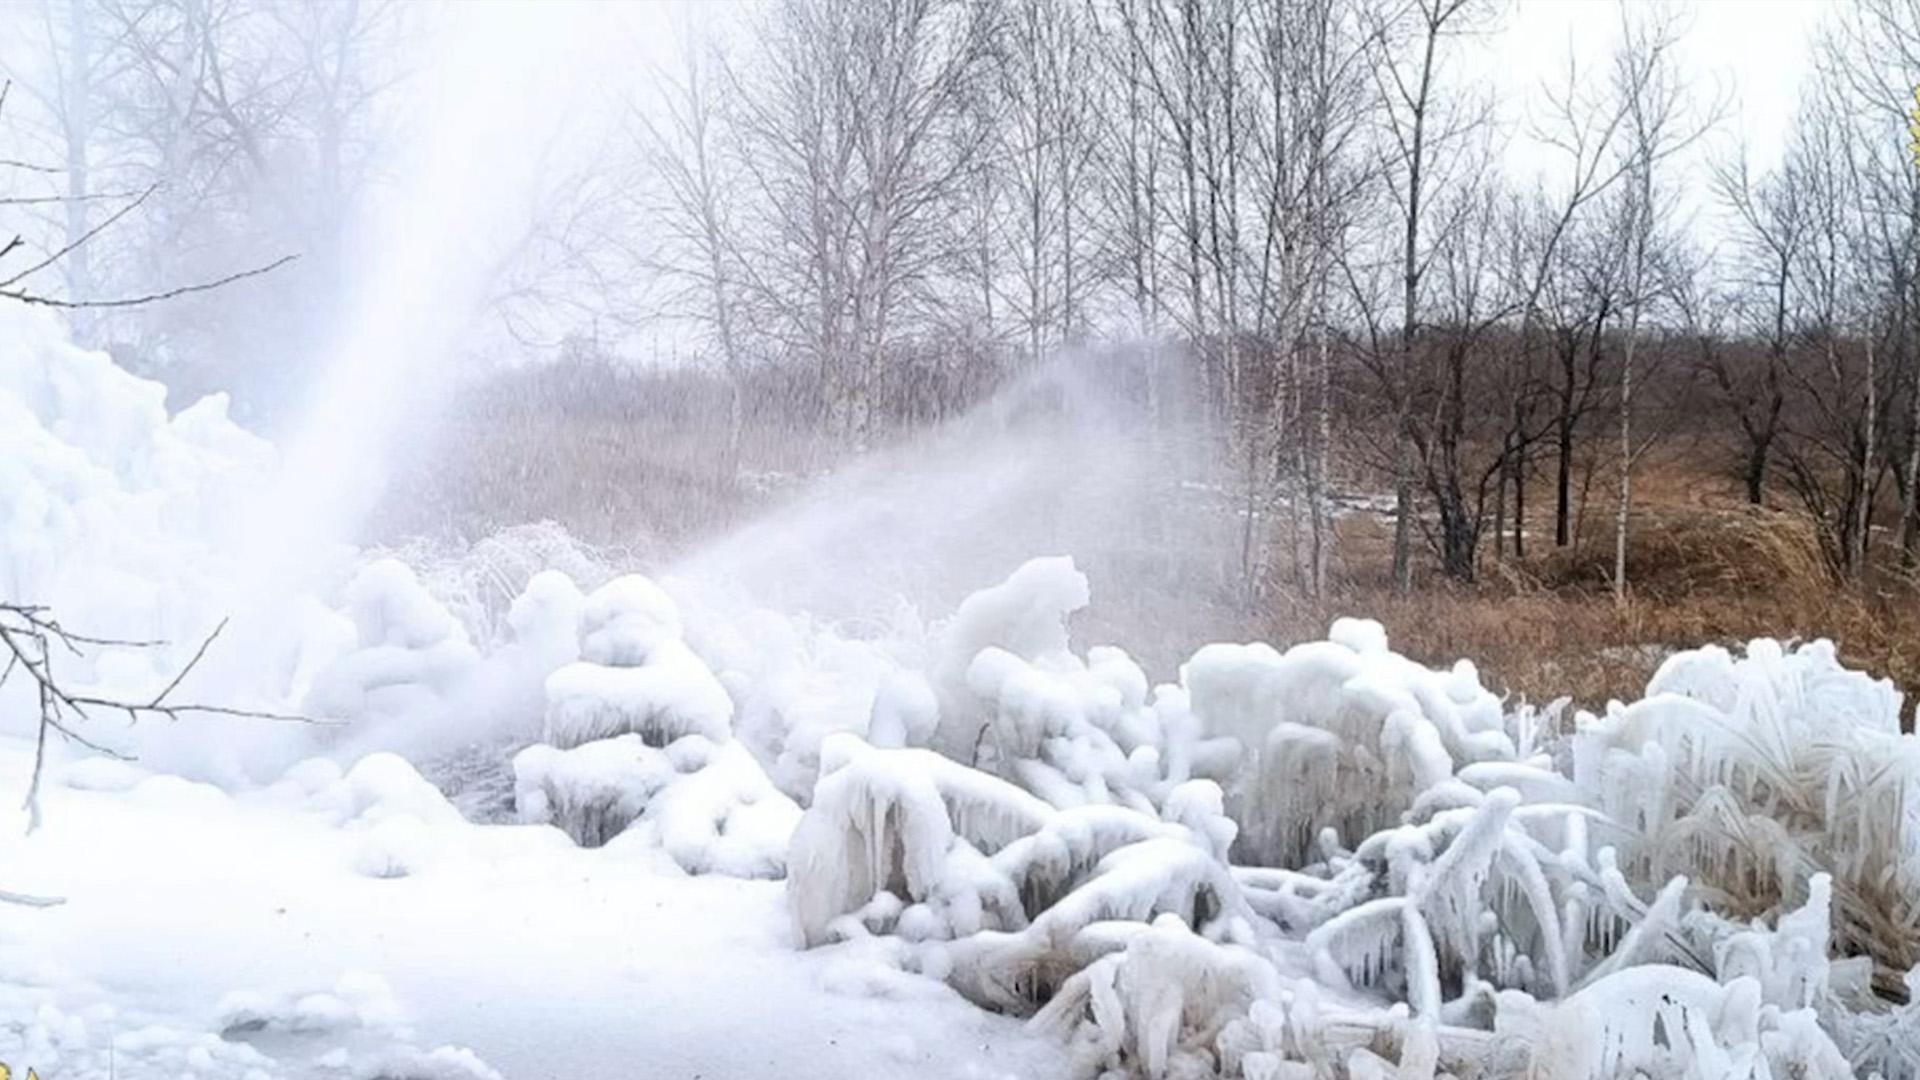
{"x": 1755, "y": 52}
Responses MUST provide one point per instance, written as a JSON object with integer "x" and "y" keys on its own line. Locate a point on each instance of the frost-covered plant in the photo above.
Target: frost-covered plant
{"x": 404, "y": 651}
{"x": 1159, "y": 1005}
{"x": 1016, "y": 700}
{"x": 1341, "y": 734}
{"x": 904, "y": 823}
{"x": 635, "y": 675}
{"x": 1751, "y": 775}
{"x": 1401, "y": 877}
{"x": 710, "y": 807}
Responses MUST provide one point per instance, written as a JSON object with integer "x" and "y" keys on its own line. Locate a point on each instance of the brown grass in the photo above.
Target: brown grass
{"x": 1703, "y": 566}
{"x": 1701, "y": 572}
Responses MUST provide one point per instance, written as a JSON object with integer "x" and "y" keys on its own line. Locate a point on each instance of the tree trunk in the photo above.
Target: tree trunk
{"x": 1563, "y": 469}
{"x": 1520, "y": 502}
{"x": 1402, "y": 523}
{"x": 1863, "y": 525}
{"x": 77, "y": 128}
{"x": 1757, "y": 471}
{"x": 1459, "y": 539}
{"x": 1626, "y": 476}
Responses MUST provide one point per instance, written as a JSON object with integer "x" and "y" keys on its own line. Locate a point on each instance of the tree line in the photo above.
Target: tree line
{"x": 888, "y": 207}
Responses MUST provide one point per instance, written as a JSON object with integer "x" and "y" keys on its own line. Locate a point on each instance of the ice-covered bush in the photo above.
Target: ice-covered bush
{"x": 1402, "y": 877}
{"x": 1341, "y": 734}
{"x": 635, "y": 674}
{"x": 1016, "y": 700}
{"x": 797, "y": 680}
{"x": 710, "y": 807}
{"x": 1752, "y": 774}
{"x": 408, "y": 651}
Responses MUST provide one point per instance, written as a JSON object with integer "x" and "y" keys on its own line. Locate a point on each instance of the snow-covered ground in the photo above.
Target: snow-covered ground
{"x": 542, "y": 958}
{"x": 695, "y": 837}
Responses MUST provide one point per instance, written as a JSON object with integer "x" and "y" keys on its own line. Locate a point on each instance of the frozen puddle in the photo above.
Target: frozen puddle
{"x": 190, "y": 912}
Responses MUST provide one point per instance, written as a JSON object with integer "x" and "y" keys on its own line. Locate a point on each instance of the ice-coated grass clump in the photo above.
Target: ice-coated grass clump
{"x": 1332, "y": 861}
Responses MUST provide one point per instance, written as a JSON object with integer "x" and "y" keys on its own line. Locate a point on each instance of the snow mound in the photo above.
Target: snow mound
{"x": 107, "y": 503}
{"x": 357, "y": 1000}
{"x": 636, "y": 675}
{"x": 354, "y": 1028}
{"x": 407, "y": 654}
{"x": 710, "y": 807}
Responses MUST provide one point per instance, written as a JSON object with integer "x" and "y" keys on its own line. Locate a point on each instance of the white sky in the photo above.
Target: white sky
{"x": 1753, "y": 52}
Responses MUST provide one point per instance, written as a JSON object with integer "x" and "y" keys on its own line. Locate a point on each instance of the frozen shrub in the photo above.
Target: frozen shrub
{"x": 408, "y": 651}
{"x": 710, "y": 807}
{"x": 1399, "y": 879}
{"x": 1751, "y": 775}
{"x": 903, "y": 822}
{"x": 636, "y": 676}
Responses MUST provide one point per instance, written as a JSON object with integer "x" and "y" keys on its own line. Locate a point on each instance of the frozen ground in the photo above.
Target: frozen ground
{"x": 543, "y": 958}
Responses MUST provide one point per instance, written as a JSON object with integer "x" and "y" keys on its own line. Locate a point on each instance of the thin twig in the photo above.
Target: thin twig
{"x": 68, "y": 249}
{"x": 29, "y": 638}
{"x": 197, "y": 654}
{"x": 134, "y": 301}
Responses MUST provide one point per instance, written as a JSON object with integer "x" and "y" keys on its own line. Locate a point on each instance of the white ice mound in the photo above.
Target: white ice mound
{"x": 116, "y": 516}
{"x": 1026, "y": 616}
{"x": 637, "y": 676}
{"x": 408, "y": 652}
{"x": 107, "y": 503}
{"x": 710, "y": 807}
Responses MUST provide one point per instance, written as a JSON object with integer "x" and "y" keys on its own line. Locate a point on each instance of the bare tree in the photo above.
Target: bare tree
{"x": 684, "y": 145}
{"x": 1659, "y": 123}
{"x": 1772, "y": 227}
{"x": 1426, "y": 128}
{"x": 845, "y": 129}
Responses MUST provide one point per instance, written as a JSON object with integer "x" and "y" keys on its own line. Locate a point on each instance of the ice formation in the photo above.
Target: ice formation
{"x": 1333, "y": 861}
{"x": 406, "y": 652}
{"x": 710, "y": 807}
{"x": 1326, "y": 860}
{"x": 353, "y": 1027}
{"x": 635, "y": 674}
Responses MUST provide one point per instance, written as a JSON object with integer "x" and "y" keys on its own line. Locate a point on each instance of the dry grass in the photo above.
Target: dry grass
{"x": 1704, "y": 567}
{"x": 1702, "y": 571}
